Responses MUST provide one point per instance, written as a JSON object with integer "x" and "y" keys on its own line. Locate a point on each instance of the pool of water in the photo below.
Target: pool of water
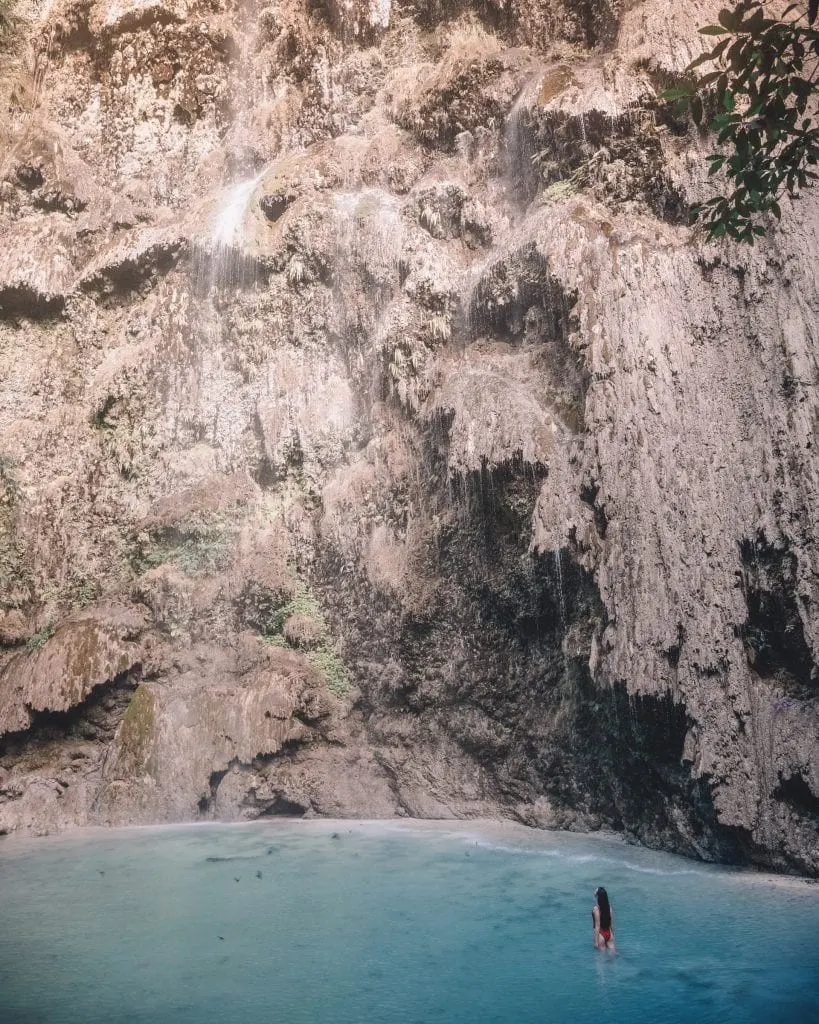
{"x": 302, "y": 923}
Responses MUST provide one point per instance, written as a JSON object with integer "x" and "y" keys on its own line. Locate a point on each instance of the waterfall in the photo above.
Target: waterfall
{"x": 223, "y": 261}
{"x": 369, "y": 227}
{"x": 220, "y": 261}
{"x": 227, "y": 228}
{"x": 369, "y": 242}
{"x": 521, "y": 176}
{"x": 471, "y": 312}
{"x": 561, "y": 593}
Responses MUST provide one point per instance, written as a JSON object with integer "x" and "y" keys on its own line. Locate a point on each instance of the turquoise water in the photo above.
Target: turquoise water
{"x": 304, "y": 923}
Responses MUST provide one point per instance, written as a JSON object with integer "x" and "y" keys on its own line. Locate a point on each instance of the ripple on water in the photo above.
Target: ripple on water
{"x": 389, "y": 925}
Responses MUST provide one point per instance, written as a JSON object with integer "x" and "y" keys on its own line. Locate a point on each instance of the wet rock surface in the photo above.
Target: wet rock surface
{"x": 375, "y": 439}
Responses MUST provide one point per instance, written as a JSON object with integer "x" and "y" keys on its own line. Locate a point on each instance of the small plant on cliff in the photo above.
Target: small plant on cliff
{"x": 10, "y": 490}
{"x": 324, "y": 655}
{"x": 333, "y": 669}
{"x": 303, "y": 603}
{"x": 8, "y": 17}
{"x": 85, "y": 593}
{"x": 202, "y": 554}
{"x": 275, "y": 639}
{"x": 200, "y": 548}
{"x": 760, "y": 94}
{"x": 38, "y": 640}
{"x": 561, "y": 189}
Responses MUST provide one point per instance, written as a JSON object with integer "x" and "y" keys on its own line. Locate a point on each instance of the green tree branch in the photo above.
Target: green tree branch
{"x": 759, "y": 96}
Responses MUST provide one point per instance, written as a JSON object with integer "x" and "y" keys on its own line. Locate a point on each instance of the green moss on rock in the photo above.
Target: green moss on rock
{"x": 137, "y": 730}
{"x": 304, "y": 611}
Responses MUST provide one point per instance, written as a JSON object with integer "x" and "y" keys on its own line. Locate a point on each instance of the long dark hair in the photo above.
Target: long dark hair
{"x": 603, "y": 907}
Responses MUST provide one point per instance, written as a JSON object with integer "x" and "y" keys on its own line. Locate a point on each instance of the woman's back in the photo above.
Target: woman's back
{"x": 603, "y": 920}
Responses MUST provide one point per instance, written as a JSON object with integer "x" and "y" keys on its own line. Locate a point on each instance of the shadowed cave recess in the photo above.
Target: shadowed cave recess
{"x": 377, "y": 440}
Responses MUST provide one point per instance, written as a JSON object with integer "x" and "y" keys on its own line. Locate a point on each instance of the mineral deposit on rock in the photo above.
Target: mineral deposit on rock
{"x": 377, "y": 439}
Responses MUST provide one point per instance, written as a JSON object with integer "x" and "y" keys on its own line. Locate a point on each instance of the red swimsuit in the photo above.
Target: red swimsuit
{"x": 605, "y": 933}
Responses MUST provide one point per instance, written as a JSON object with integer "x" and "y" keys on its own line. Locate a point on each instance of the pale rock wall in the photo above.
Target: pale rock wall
{"x": 369, "y": 410}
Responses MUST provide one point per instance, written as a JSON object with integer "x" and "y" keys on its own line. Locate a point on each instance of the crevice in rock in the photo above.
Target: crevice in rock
{"x": 673, "y": 651}
{"x": 55, "y": 200}
{"x": 22, "y": 300}
{"x": 207, "y": 801}
{"x": 511, "y": 289}
{"x": 30, "y": 176}
{"x": 133, "y": 272}
{"x": 282, "y": 806}
{"x": 306, "y": 717}
{"x": 95, "y": 719}
{"x": 773, "y": 634}
{"x": 617, "y": 158}
{"x": 795, "y": 792}
{"x": 275, "y": 205}
{"x": 500, "y": 498}
{"x": 588, "y": 495}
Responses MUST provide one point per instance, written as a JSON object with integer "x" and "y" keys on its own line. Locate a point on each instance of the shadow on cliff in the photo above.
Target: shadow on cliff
{"x": 498, "y": 659}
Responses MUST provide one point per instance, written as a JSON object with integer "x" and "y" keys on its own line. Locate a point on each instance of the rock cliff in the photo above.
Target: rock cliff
{"x": 376, "y": 439}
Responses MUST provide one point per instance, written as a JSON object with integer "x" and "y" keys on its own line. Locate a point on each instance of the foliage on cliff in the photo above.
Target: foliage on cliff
{"x": 300, "y": 623}
{"x": 7, "y": 18}
{"x": 760, "y": 94}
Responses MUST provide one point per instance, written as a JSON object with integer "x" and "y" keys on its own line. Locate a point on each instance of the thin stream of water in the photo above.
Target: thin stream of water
{"x": 227, "y": 227}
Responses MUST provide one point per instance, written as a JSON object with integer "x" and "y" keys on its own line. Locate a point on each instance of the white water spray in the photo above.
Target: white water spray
{"x": 229, "y": 224}
{"x": 561, "y": 594}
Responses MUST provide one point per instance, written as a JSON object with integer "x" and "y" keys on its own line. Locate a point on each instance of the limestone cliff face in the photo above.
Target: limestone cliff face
{"x": 376, "y": 439}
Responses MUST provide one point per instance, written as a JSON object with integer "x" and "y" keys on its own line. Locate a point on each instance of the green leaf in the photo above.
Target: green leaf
{"x": 678, "y": 93}
{"x": 761, "y": 67}
{"x": 706, "y": 80}
{"x": 755, "y": 23}
{"x": 703, "y": 58}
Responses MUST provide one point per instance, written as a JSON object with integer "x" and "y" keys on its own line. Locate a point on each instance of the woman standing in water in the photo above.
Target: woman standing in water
{"x": 603, "y": 920}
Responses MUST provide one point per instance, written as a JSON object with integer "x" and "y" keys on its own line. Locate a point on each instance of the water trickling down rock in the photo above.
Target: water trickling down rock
{"x": 436, "y": 469}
